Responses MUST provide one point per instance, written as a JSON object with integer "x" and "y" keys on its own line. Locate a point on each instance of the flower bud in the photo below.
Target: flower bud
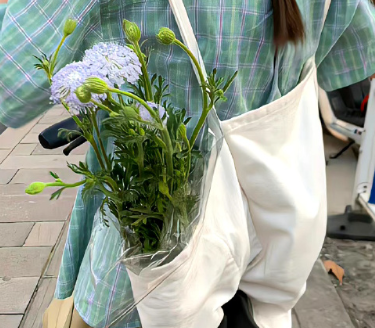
{"x": 70, "y": 26}
{"x": 113, "y": 114}
{"x": 45, "y": 63}
{"x": 35, "y": 188}
{"x": 96, "y": 85}
{"x": 166, "y": 36}
{"x": 132, "y": 132}
{"x": 130, "y": 113}
{"x": 142, "y": 132}
{"x": 132, "y": 31}
{"x": 182, "y": 131}
{"x": 83, "y": 94}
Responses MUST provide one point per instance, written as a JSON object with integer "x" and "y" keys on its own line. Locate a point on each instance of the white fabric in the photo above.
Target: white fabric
{"x": 279, "y": 157}
{"x": 268, "y": 195}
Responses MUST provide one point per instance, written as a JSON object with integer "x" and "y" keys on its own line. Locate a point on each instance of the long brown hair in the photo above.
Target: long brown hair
{"x": 288, "y": 23}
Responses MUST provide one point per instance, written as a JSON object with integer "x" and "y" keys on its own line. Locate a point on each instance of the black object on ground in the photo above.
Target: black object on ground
{"x": 74, "y": 144}
{"x": 351, "y": 225}
{"x": 52, "y": 137}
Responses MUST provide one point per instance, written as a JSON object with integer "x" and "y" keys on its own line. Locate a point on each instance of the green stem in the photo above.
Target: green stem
{"x": 198, "y": 127}
{"x": 110, "y": 99}
{"x": 87, "y": 136}
{"x": 75, "y": 118}
{"x": 140, "y": 100}
{"x": 119, "y": 97}
{"x": 91, "y": 140}
{"x": 101, "y": 106}
{"x": 66, "y": 185}
{"x": 164, "y": 131}
{"x": 53, "y": 62}
{"x": 148, "y": 87}
{"x": 206, "y": 109}
{"x": 188, "y": 165}
{"x": 104, "y": 153}
{"x": 169, "y": 152}
{"x": 199, "y": 70}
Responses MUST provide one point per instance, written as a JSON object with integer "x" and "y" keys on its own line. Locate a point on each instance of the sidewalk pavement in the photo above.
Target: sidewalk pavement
{"x": 33, "y": 232}
{"x": 32, "y": 228}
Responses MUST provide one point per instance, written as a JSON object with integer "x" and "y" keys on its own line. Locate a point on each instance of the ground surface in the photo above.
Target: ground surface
{"x": 357, "y": 258}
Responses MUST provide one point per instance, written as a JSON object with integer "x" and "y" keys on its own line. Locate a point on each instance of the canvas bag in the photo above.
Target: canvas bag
{"x": 265, "y": 219}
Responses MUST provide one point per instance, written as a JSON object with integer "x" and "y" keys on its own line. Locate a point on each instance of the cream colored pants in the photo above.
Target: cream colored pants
{"x": 61, "y": 314}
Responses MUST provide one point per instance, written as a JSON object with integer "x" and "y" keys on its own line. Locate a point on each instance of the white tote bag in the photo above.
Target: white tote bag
{"x": 265, "y": 219}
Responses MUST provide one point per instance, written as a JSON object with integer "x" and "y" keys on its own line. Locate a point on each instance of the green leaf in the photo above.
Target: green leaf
{"x": 56, "y": 195}
{"x": 54, "y": 175}
{"x": 230, "y": 81}
{"x": 153, "y": 78}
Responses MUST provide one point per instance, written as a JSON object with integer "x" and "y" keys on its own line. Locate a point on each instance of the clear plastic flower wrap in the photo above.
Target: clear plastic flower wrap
{"x": 154, "y": 181}
{"x": 130, "y": 260}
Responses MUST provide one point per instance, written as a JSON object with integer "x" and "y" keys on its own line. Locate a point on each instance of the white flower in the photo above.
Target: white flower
{"x": 118, "y": 63}
{"x": 67, "y": 80}
{"x": 145, "y": 114}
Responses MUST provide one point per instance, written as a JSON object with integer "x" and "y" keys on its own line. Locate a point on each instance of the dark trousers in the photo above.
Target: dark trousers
{"x": 238, "y": 313}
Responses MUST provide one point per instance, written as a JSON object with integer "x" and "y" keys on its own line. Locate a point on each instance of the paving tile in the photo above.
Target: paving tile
{"x": 23, "y": 149}
{"x": 10, "y": 138}
{"x": 23, "y": 261}
{"x": 27, "y": 176}
{"x": 82, "y": 150}
{"x": 4, "y": 154}
{"x": 55, "y": 111}
{"x": 54, "y": 265}
{"x": 44, "y": 234}
{"x": 14, "y": 234}
{"x": 42, "y": 299}
{"x": 54, "y": 119}
{"x": 34, "y": 208}
{"x": 39, "y": 162}
{"x": 321, "y": 306}
{"x": 10, "y": 321}
{"x": 33, "y": 136}
{"x": 295, "y": 323}
{"x": 6, "y": 176}
{"x": 16, "y": 294}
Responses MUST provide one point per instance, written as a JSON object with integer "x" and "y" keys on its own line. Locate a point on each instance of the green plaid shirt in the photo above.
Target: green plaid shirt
{"x": 232, "y": 35}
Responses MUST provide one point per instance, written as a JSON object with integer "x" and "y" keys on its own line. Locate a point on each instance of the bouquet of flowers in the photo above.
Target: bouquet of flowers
{"x": 156, "y": 181}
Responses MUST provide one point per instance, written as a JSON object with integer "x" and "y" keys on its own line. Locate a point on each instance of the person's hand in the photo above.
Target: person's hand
{"x": 372, "y": 77}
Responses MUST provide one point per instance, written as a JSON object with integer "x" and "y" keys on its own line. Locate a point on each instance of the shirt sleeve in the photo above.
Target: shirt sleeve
{"x": 27, "y": 30}
{"x": 346, "y": 53}
{"x": 3, "y": 7}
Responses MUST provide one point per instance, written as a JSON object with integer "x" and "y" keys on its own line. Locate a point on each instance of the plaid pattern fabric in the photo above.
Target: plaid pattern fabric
{"x": 232, "y": 35}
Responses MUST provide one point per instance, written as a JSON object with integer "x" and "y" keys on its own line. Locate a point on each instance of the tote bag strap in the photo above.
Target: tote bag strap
{"x": 188, "y": 36}
{"x": 187, "y": 32}
{"x": 326, "y": 9}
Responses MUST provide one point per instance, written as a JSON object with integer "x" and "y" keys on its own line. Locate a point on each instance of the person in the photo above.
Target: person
{"x": 268, "y": 42}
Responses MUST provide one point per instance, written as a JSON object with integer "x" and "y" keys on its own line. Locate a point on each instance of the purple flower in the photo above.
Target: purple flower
{"x": 118, "y": 63}
{"x": 145, "y": 114}
{"x": 67, "y": 80}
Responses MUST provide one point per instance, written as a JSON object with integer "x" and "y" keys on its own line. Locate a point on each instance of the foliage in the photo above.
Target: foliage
{"x": 147, "y": 182}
